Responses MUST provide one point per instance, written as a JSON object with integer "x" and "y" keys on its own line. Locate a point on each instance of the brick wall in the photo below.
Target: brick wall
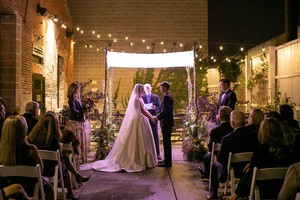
{"x": 171, "y": 21}
{"x": 27, "y": 29}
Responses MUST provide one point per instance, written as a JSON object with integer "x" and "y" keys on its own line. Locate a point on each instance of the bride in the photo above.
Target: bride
{"x": 134, "y": 148}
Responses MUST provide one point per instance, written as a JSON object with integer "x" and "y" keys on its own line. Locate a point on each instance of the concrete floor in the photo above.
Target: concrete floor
{"x": 180, "y": 182}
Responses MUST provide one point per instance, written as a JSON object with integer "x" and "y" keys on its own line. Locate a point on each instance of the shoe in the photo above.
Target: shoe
{"x": 163, "y": 164}
{"x": 80, "y": 179}
{"x": 71, "y": 196}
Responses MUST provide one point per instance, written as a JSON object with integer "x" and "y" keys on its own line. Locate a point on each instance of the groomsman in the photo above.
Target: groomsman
{"x": 227, "y": 96}
{"x": 166, "y": 122}
{"x": 153, "y": 99}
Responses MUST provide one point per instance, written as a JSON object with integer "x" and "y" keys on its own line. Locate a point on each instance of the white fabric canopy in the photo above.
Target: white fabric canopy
{"x": 160, "y": 60}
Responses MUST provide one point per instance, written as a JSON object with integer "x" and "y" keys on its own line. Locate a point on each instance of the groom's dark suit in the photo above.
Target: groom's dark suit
{"x": 154, "y": 99}
{"x": 166, "y": 123}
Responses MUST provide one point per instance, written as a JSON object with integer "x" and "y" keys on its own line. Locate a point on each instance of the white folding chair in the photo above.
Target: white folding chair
{"x": 235, "y": 158}
{"x": 265, "y": 174}
{"x": 55, "y": 156}
{"x": 68, "y": 149}
{"x": 213, "y": 158}
{"x": 26, "y": 172}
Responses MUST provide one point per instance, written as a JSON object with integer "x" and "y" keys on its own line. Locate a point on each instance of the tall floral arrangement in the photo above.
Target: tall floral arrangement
{"x": 194, "y": 145}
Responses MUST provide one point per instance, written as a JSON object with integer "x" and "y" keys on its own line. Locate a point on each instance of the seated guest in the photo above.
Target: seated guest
{"x": 31, "y": 114}
{"x": 68, "y": 136}
{"x": 15, "y": 150}
{"x": 216, "y": 136}
{"x": 295, "y": 148}
{"x": 273, "y": 152}
{"x": 256, "y": 116}
{"x": 242, "y": 139}
{"x": 287, "y": 114}
{"x": 14, "y": 191}
{"x": 291, "y": 183}
{"x": 46, "y": 135}
{"x": 288, "y": 124}
{"x": 273, "y": 114}
{"x": 2, "y": 116}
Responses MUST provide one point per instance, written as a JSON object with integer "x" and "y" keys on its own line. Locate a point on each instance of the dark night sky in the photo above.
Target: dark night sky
{"x": 236, "y": 23}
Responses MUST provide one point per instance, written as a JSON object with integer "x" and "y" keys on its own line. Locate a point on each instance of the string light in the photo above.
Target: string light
{"x": 143, "y": 40}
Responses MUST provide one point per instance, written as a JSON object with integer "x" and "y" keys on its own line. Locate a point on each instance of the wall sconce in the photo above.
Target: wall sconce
{"x": 41, "y": 10}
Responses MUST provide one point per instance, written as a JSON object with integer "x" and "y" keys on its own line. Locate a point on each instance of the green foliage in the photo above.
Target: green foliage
{"x": 230, "y": 70}
{"x": 116, "y": 95}
{"x": 258, "y": 81}
{"x": 277, "y": 101}
{"x": 125, "y": 100}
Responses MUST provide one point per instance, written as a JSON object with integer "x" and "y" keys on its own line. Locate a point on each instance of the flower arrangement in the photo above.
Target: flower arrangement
{"x": 102, "y": 134}
{"x": 89, "y": 100}
{"x": 194, "y": 147}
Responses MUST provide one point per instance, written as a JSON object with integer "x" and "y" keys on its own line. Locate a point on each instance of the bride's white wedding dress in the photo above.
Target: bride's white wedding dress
{"x": 134, "y": 148}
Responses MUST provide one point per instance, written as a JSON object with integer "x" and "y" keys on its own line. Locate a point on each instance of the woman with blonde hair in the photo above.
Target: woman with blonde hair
{"x": 77, "y": 120}
{"x": 46, "y": 135}
{"x": 15, "y": 150}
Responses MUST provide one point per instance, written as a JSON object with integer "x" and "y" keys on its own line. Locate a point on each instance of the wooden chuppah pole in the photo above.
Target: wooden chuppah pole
{"x": 195, "y": 88}
{"x": 103, "y": 121}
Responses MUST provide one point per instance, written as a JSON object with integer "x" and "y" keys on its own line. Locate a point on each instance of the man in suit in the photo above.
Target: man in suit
{"x": 153, "y": 99}
{"x": 31, "y": 114}
{"x": 166, "y": 122}
{"x": 242, "y": 139}
{"x": 216, "y": 136}
{"x": 227, "y": 96}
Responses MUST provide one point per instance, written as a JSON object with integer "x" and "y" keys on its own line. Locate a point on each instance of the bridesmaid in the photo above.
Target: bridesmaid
{"x": 77, "y": 120}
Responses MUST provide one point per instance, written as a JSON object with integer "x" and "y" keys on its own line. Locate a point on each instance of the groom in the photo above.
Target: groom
{"x": 166, "y": 122}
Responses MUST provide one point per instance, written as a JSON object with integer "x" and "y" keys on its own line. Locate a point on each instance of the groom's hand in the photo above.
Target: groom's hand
{"x": 154, "y": 119}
